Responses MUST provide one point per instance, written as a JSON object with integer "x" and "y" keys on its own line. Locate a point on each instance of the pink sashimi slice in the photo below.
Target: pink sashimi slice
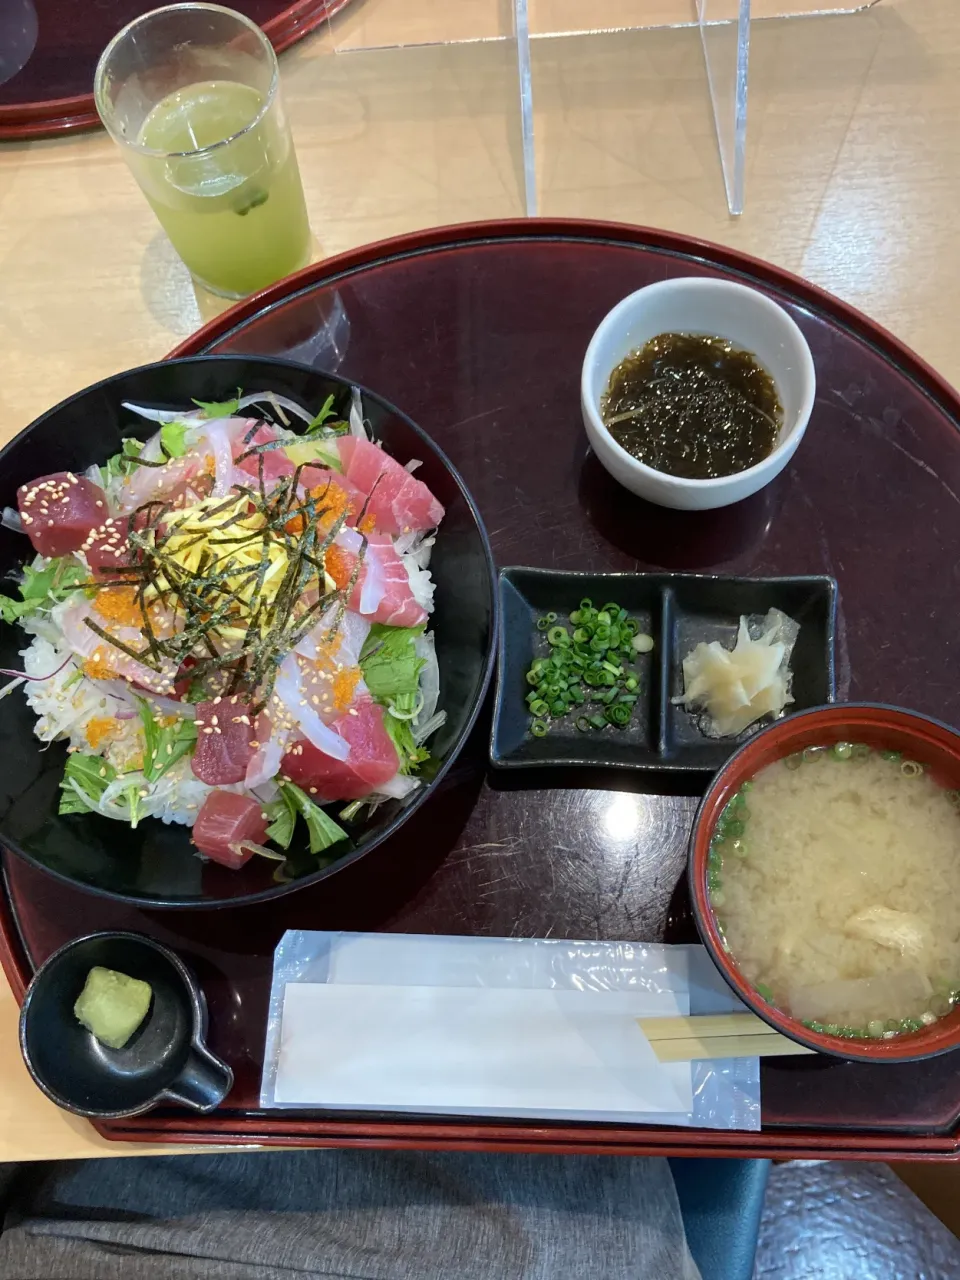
{"x": 276, "y": 464}
{"x": 224, "y": 733}
{"x": 398, "y": 501}
{"x": 59, "y": 511}
{"x": 395, "y": 601}
{"x": 225, "y": 820}
{"x": 371, "y": 763}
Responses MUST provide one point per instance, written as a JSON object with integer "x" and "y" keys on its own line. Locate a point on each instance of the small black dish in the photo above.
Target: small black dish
{"x": 678, "y": 611}
{"x": 165, "y": 1061}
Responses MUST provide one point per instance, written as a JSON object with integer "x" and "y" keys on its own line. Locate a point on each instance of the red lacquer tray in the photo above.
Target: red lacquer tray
{"x": 478, "y": 332}
{"x": 49, "y": 50}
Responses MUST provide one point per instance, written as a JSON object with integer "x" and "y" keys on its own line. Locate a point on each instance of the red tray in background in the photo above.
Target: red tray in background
{"x": 478, "y": 332}
{"x": 49, "y": 51}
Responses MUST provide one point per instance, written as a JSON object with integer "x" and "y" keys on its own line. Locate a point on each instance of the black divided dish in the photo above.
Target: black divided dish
{"x": 156, "y": 865}
{"x": 678, "y": 611}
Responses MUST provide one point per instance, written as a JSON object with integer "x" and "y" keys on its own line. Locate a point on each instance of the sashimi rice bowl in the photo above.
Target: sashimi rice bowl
{"x": 228, "y": 624}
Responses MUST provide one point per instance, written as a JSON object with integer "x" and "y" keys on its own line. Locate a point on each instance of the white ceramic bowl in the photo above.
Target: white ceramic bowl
{"x": 743, "y": 316}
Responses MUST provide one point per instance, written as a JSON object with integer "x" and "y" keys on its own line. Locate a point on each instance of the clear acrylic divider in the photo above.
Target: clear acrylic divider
{"x": 725, "y": 35}
{"x": 724, "y": 30}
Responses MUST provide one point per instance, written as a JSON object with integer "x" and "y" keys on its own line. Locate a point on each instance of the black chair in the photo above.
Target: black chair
{"x": 721, "y": 1202}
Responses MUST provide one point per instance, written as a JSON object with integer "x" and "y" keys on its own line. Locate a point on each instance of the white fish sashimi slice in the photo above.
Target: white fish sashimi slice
{"x": 145, "y": 484}
{"x": 218, "y": 439}
{"x": 264, "y": 763}
{"x": 85, "y": 643}
{"x": 352, "y": 630}
{"x": 373, "y": 587}
{"x": 288, "y": 689}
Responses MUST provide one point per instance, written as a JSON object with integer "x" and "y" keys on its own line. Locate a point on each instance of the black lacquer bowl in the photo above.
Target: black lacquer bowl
{"x": 156, "y": 865}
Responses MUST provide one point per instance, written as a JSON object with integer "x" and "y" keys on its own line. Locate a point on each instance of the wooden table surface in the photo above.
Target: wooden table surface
{"x": 853, "y": 181}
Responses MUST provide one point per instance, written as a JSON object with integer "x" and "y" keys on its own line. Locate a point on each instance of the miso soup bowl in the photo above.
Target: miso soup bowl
{"x": 934, "y": 745}
{"x": 750, "y": 321}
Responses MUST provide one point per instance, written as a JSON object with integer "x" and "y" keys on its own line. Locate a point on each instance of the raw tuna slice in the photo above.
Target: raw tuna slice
{"x": 382, "y": 592}
{"x": 224, "y": 733}
{"x": 59, "y": 511}
{"x": 371, "y": 763}
{"x": 225, "y": 821}
{"x": 316, "y": 480}
{"x": 107, "y": 546}
{"x": 275, "y": 462}
{"x": 398, "y": 501}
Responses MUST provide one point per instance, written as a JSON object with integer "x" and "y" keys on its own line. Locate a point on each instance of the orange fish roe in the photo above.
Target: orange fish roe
{"x": 120, "y": 605}
{"x": 335, "y": 501}
{"x": 97, "y": 669}
{"x": 338, "y": 565}
{"x": 367, "y": 524}
{"x": 97, "y": 729}
{"x": 344, "y": 684}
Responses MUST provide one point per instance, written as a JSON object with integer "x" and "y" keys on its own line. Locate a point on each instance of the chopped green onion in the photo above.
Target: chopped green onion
{"x": 588, "y": 664}
{"x": 539, "y": 728}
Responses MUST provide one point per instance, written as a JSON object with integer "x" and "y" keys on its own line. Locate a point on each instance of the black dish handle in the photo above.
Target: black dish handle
{"x": 203, "y": 1083}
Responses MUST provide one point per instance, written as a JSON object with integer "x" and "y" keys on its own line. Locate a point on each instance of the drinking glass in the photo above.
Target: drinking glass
{"x": 191, "y": 94}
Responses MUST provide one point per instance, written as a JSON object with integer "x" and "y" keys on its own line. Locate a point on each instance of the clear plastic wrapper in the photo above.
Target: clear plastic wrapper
{"x": 725, "y": 1094}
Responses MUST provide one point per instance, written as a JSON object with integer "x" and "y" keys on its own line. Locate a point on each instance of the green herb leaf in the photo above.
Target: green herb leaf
{"x": 221, "y": 409}
{"x": 173, "y": 438}
{"x": 283, "y": 815}
{"x": 323, "y": 830}
{"x": 44, "y": 587}
{"x": 390, "y": 664}
{"x": 122, "y": 463}
{"x": 132, "y": 796}
{"x": 11, "y": 610}
{"x": 84, "y": 781}
{"x": 324, "y": 451}
{"x": 195, "y": 691}
{"x": 327, "y": 411}
{"x": 411, "y": 756}
{"x": 164, "y": 744}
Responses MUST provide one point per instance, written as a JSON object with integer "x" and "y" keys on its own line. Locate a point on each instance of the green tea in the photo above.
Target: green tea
{"x": 234, "y": 212}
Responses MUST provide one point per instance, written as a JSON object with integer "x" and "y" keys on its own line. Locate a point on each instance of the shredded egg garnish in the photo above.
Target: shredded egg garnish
{"x": 226, "y": 545}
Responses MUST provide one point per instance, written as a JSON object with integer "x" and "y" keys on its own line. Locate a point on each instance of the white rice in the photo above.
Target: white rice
{"x": 65, "y": 713}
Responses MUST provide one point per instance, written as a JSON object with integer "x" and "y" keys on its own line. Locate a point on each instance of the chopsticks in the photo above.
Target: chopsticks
{"x": 724, "y": 1035}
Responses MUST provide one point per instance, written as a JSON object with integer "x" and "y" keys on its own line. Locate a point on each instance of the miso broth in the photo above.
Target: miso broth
{"x": 835, "y": 877}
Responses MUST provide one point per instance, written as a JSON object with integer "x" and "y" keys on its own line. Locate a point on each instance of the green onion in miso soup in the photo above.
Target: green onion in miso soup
{"x": 225, "y": 185}
{"x": 693, "y": 406}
